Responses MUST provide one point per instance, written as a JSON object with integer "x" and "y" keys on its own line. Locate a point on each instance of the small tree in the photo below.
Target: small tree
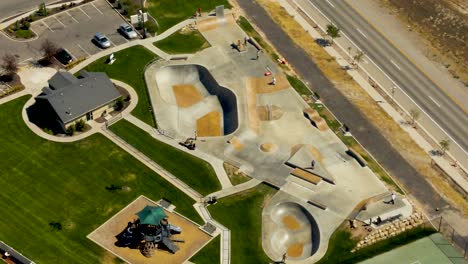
{"x": 414, "y": 114}
{"x": 48, "y": 49}
{"x": 444, "y": 145}
{"x": 333, "y": 31}
{"x": 358, "y": 58}
{"x": 9, "y": 64}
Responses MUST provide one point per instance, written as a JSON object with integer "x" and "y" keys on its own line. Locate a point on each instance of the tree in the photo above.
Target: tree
{"x": 119, "y": 104}
{"x": 358, "y": 58}
{"x": 414, "y": 114}
{"x": 9, "y": 64}
{"x": 80, "y": 125}
{"x": 333, "y": 31}
{"x": 444, "y": 145}
{"x": 70, "y": 130}
{"x": 48, "y": 49}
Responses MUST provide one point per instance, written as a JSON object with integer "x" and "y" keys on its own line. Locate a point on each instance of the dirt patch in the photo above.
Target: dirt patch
{"x": 295, "y": 250}
{"x": 291, "y": 222}
{"x": 443, "y": 25}
{"x": 186, "y": 95}
{"x": 268, "y": 147}
{"x": 236, "y": 143}
{"x": 105, "y": 236}
{"x": 399, "y": 139}
{"x": 209, "y": 125}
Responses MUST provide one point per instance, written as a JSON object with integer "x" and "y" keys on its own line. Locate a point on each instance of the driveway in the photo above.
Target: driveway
{"x": 72, "y": 29}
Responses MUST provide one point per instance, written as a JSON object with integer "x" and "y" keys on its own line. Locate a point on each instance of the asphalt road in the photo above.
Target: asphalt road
{"x": 10, "y": 8}
{"x": 364, "y": 131}
{"x": 445, "y": 111}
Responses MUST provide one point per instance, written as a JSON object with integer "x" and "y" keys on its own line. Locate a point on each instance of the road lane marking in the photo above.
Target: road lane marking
{"x": 97, "y": 9}
{"x": 361, "y": 32}
{"x": 396, "y": 65}
{"x": 72, "y": 17}
{"x": 79, "y": 46}
{"x": 60, "y": 22}
{"x": 435, "y": 102}
{"x": 330, "y": 3}
{"x": 47, "y": 26}
{"x": 84, "y": 12}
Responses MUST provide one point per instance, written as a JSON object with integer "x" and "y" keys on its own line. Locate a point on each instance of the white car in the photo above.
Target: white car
{"x": 101, "y": 40}
{"x": 127, "y": 31}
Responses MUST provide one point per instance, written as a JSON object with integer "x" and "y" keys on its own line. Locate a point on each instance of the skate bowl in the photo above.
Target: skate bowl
{"x": 202, "y": 104}
{"x": 289, "y": 228}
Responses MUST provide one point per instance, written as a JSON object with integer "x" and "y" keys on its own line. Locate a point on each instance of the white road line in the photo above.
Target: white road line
{"x": 97, "y": 9}
{"x": 361, "y": 32}
{"x": 330, "y": 3}
{"x": 47, "y": 26}
{"x": 396, "y": 65}
{"x": 72, "y": 17}
{"x": 435, "y": 102}
{"x": 84, "y": 12}
{"x": 60, "y": 22}
{"x": 83, "y": 49}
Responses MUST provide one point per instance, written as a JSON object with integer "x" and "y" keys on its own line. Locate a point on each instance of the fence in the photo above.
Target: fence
{"x": 457, "y": 240}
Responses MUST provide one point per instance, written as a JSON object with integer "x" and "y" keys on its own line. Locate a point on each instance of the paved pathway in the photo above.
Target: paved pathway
{"x": 236, "y": 189}
{"x": 362, "y": 128}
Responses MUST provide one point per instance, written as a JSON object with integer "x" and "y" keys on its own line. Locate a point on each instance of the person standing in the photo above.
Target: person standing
{"x": 392, "y": 201}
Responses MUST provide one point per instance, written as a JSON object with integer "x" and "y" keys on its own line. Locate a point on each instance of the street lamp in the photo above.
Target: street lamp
{"x": 143, "y": 23}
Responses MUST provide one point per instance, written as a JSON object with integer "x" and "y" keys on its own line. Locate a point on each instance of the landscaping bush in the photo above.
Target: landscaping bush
{"x": 48, "y": 131}
{"x": 80, "y": 125}
{"x": 112, "y": 1}
{"x": 70, "y": 130}
{"x": 119, "y": 104}
{"x": 25, "y": 25}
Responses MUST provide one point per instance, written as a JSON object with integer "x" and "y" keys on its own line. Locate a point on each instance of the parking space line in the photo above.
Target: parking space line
{"x": 47, "y": 26}
{"x": 112, "y": 42}
{"x": 60, "y": 22}
{"x": 79, "y": 46}
{"x": 97, "y": 9}
{"x": 84, "y": 12}
{"x": 72, "y": 17}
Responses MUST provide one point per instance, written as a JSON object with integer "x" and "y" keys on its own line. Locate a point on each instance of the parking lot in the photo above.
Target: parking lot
{"x": 72, "y": 29}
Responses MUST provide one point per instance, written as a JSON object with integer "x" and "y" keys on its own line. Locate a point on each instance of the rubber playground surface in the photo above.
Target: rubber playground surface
{"x": 434, "y": 249}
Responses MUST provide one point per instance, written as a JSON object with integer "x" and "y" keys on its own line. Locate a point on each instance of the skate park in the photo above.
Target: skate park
{"x": 270, "y": 133}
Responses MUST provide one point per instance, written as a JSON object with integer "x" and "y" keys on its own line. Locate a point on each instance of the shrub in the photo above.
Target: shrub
{"x": 119, "y": 104}
{"x": 112, "y": 1}
{"x": 127, "y": 2}
{"x": 30, "y": 18}
{"x": 70, "y": 130}
{"x": 48, "y": 131}
{"x": 25, "y": 25}
{"x": 119, "y": 6}
{"x": 80, "y": 125}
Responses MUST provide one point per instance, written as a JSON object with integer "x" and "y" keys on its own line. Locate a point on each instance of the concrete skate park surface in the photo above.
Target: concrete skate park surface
{"x": 190, "y": 99}
{"x": 272, "y": 140}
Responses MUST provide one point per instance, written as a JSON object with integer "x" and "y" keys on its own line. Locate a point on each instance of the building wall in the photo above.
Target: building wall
{"x": 96, "y": 113}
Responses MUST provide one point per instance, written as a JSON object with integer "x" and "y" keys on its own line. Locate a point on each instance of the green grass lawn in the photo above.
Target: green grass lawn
{"x": 43, "y": 182}
{"x": 210, "y": 253}
{"x": 341, "y": 244}
{"x": 242, "y": 214}
{"x": 170, "y": 12}
{"x": 195, "y": 172}
{"x": 183, "y": 43}
{"x": 129, "y": 68}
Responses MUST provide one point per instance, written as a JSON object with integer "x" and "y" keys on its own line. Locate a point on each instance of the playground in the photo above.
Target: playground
{"x": 106, "y": 236}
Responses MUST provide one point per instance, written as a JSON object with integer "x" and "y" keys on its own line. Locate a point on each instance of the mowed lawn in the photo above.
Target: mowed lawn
{"x": 170, "y": 12}
{"x": 210, "y": 253}
{"x": 183, "y": 43}
{"x": 129, "y": 68}
{"x": 195, "y": 172}
{"x": 43, "y": 182}
{"x": 242, "y": 214}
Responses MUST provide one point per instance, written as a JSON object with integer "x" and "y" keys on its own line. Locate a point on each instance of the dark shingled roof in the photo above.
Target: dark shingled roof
{"x": 71, "y": 97}
{"x": 15, "y": 254}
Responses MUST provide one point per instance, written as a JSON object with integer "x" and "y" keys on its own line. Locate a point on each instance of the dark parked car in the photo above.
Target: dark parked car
{"x": 63, "y": 56}
{"x": 323, "y": 42}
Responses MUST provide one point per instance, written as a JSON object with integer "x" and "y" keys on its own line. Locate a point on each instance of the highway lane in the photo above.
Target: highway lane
{"x": 442, "y": 109}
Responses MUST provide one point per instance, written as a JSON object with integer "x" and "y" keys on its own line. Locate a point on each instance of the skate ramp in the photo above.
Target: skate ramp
{"x": 291, "y": 229}
{"x": 199, "y": 99}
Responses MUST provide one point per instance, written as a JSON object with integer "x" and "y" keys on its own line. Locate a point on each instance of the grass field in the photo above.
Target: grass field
{"x": 183, "y": 43}
{"x": 195, "y": 172}
{"x": 209, "y": 254}
{"x": 43, "y": 182}
{"x": 129, "y": 68}
{"x": 242, "y": 214}
{"x": 170, "y": 12}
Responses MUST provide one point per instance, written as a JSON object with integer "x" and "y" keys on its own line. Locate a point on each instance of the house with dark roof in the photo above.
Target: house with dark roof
{"x": 68, "y": 99}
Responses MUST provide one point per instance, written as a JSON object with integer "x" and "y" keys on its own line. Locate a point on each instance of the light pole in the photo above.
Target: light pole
{"x": 143, "y": 19}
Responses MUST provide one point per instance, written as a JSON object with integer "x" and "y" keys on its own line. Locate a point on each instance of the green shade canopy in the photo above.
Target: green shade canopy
{"x": 151, "y": 215}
